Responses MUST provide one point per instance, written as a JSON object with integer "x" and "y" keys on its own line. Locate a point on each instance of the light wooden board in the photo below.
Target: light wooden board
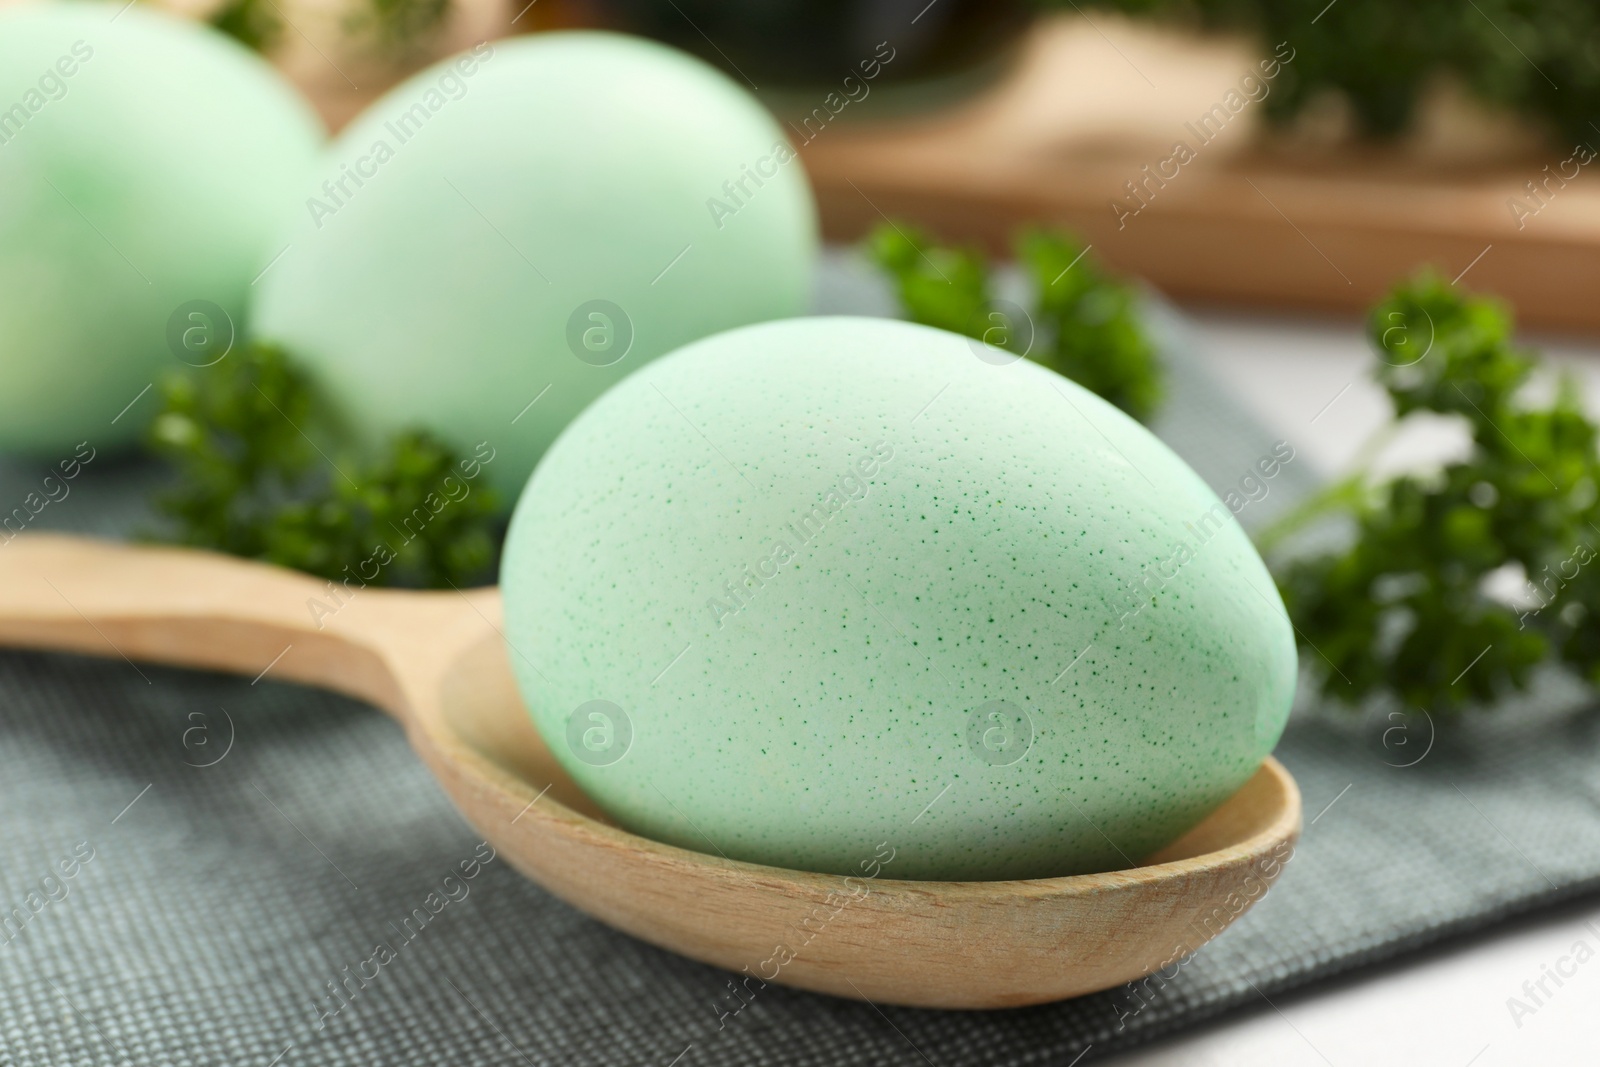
{"x": 1308, "y": 220}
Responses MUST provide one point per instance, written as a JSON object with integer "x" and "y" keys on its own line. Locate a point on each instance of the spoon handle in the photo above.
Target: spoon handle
{"x": 189, "y": 608}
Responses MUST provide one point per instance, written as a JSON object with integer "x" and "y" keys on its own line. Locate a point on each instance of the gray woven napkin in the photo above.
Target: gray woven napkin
{"x": 195, "y": 869}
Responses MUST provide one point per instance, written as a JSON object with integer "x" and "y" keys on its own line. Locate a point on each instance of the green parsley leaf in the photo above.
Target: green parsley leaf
{"x": 252, "y": 444}
{"x": 1085, "y": 324}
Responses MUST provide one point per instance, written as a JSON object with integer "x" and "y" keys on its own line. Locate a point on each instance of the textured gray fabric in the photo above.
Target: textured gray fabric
{"x": 217, "y": 908}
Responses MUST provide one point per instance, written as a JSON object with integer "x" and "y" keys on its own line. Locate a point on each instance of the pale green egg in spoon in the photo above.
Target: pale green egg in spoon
{"x": 815, "y": 592}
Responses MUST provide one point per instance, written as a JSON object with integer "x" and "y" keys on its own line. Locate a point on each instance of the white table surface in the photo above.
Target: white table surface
{"x": 1446, "y": 1006}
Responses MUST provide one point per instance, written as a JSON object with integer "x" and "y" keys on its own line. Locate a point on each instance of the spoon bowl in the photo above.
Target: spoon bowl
{"x": 436, "y": 661}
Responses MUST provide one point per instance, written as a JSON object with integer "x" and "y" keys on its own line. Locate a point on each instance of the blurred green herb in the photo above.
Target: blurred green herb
{"x": 1085, "y": 323}
{"x": 1538, "y": 59}
{"x": 251, "y": 440}
{"x": 253, "y": 23}
{"x": 393, "y": 27}
{"x": 1410, "y": 608}
{"x": 396, "y": 27}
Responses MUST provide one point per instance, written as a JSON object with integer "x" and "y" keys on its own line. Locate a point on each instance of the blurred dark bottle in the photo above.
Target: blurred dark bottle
{"x": 787, "y": 45}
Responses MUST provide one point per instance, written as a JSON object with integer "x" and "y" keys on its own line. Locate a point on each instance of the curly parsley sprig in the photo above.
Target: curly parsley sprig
{"x": 251, "y": 442}
{"x": 1413, "y": 607}
{"x": 1085, "y": 323}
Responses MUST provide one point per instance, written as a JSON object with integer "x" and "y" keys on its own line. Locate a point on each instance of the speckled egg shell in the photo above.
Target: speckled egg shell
{"x": 144, "y": 163}
{"x": 819, "y": 592}
{"x": 503, "y": 236}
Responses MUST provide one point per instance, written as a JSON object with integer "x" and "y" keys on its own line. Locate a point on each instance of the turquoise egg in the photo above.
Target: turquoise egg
{"x": 502, "y": 237}
{"x": 144, "y": 162}
{"x": 819, "y": 592}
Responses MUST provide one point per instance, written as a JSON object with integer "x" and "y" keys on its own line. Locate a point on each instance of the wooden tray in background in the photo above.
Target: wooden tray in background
{"x": 1251, "y": 220}
{"x": 1311, "y": 222}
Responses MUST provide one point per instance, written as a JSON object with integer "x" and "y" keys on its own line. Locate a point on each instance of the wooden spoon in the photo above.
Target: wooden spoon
{"x": 436, "y": 661}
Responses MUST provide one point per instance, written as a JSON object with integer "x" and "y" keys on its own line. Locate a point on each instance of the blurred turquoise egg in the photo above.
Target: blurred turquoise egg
{"x": 508, "y": 233}
{"x": 819, "y": 592}
{"x": 144, "y": 163}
